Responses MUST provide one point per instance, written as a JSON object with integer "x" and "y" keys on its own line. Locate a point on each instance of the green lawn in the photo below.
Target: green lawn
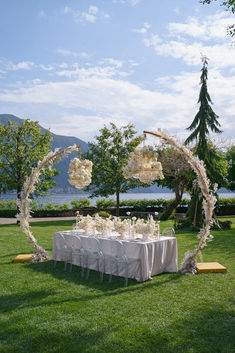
{"x": 48, "y": 310}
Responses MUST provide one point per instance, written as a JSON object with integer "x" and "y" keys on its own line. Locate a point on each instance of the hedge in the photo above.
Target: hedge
{"x": 9, "y": 208}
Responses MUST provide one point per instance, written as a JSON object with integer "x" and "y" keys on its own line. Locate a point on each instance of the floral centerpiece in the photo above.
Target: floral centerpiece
{"x": 146, "y": 229}
{"x": 120, "y": 226}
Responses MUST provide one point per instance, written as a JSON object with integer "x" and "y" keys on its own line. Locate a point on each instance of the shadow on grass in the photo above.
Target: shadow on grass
{"x": 93, "y": 280}
{"x": 208, "y": 329}
{"x": 57, "y": 223}
{"x": 42, "y": 224}
{"x": 224, "y": 241}
{"x": 28, "y": 299}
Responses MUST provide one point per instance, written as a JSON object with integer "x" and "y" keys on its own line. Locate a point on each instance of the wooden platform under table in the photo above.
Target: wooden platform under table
{"x": 23, "y": 258}
{"x": 210, "y": 267}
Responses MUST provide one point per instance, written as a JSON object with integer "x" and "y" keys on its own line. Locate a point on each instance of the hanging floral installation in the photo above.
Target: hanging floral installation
{"x": 189, "y": 262}
{"x": 80, "y": 173}
{"x": 143, "y": 165}
{"x": 81, "y": 176}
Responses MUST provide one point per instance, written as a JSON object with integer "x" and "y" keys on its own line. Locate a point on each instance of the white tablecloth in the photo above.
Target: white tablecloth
{"x": 152, "y": 257}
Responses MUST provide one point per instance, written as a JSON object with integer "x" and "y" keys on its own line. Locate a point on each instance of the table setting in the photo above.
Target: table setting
{"x": 146, "y": 252}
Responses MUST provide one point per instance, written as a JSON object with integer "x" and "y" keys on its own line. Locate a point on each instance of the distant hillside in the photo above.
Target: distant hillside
{"x": 59, "y": 141}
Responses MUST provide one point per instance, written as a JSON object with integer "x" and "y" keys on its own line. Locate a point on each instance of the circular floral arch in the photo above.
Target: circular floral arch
{"x": 189, "y": 261}
{"x": 39, "y": 254}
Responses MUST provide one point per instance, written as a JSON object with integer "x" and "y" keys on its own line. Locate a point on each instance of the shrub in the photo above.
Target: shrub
{"x": 8, "y": 205}
{"x": 103, "y": 214}
{"x": 220, "y": 225}
{"x": 105, "y": 203}
{"x": 226, "y": 202}
{"x": 64, "y": 206}
{"x": 7, "y": 213}
{"x": 33, "y": 205}
{"x": 80, "y": 203}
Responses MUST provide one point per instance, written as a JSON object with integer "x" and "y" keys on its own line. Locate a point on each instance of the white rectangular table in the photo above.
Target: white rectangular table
{"x": 155, "y": 256}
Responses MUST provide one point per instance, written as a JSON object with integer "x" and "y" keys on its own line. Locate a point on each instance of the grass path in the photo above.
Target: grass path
{"x": 48, "y": 310}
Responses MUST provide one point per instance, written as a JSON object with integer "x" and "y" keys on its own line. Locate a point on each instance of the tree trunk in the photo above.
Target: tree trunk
{"x": 173, "y": 205}
{"x": 18, "y": 198}
{"x": 194, "y": 213}
{"x": 118, "y": 203}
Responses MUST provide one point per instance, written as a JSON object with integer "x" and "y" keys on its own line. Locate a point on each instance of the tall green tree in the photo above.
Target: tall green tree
{"x": 109, "y": 155}
{"x": 205, "y": 121}
{"x": 21, "y": 147}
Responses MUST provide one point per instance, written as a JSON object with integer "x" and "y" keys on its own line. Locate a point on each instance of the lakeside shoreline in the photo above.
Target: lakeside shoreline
{"x": 67, "y": 198}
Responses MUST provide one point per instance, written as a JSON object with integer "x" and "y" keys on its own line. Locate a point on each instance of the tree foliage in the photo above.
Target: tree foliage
{"x": 230, "y": 156}
{"x": 177, "y": 175}
{"x": 21, "y": 147}
{"x": 109, "y": 155}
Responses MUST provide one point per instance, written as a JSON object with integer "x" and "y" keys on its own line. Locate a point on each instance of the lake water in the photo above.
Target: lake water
{"x": 67, "y": 198}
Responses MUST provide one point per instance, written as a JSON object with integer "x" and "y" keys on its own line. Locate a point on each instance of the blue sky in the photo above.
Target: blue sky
{"x": 76, "y": 65}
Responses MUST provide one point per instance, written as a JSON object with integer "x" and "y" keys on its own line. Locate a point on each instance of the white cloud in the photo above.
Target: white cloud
{"x": 112, "y": 62}
{"x": 133, "y": 3}
{"x": 213, "y": 27}
{"x": 42, "y": 14}
{"x": 177, "y": 11}
{"x": 76, "y": 125}
{"x": 23, "y": 65}
{"x": 46, "y": 67}
{"x": 121, "y": 100}
{"x": 221, "y": 55}
{"x": 90, "y": 15}
{"x": 107, "y": 67}
{"x": 143, "y": 29}
{"x": 188, "y": 41}
{"x": 74, "y": 54}
{"x": 96, "y": 95}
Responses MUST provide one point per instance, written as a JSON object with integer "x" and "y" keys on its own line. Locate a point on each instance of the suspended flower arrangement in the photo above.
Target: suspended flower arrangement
{"x": 143, "y": 165}
{"x": 80, "y": 173}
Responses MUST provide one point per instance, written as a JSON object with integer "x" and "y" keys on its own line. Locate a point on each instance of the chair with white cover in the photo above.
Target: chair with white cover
{"x": 168, "y": 232}
{"x": 93, "y": 256}
{"x": 77, "y": 252}
{"x": 120, "y": 259}
{"x": 61, "y": 252}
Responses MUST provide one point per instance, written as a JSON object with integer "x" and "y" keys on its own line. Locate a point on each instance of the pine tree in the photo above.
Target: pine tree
{"x": 205, "y": 121}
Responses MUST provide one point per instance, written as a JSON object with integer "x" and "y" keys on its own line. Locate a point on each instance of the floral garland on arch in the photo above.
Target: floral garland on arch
{"x": 189, "y": 262}
{"x": 23, "y": 204}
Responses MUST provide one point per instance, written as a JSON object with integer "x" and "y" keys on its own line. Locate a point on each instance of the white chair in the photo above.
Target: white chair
{"x": 92, "y": 254}
{"x": 77, "y": 252}
{"x": 61, "y": 251}
{"x": 168, "y": 232}
{"x": 119, "y": 257}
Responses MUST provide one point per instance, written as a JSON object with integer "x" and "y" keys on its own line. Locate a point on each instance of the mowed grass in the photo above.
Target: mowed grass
{"x": 49, "y": 310}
